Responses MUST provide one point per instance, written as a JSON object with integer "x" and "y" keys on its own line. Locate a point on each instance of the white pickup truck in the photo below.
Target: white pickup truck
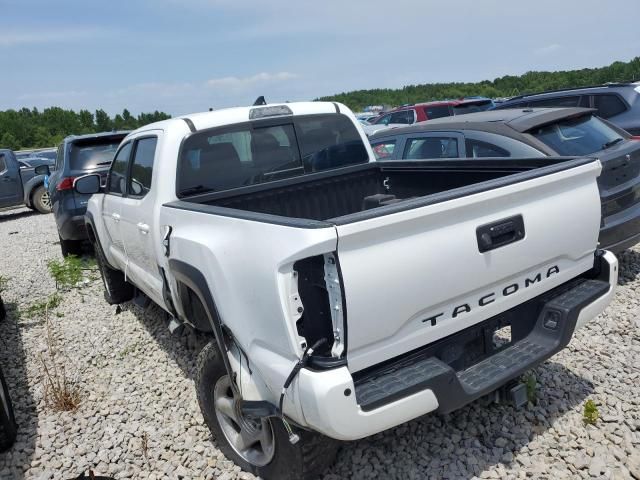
{"x": 344, "y": 296}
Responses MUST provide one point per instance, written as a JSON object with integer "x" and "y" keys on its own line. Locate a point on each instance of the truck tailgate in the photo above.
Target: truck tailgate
{"x": 417, "y": 275}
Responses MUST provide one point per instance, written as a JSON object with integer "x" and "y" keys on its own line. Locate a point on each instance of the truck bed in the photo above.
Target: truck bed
{"x": 353, "y": 193}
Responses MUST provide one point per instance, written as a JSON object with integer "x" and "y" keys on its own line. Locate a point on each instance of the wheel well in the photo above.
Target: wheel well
{"x": 32, "y": 191}
{"x": 90, "y": 233}
{"x": 194, "y": 310}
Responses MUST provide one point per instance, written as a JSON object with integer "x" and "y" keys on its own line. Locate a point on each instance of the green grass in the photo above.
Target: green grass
{"x": 590, "y": 414}
{"x": 69, "y": 271}
{"x": 46, "y": 305}
{"x": 3, "y": 283}
{"x": 532, "y": 385}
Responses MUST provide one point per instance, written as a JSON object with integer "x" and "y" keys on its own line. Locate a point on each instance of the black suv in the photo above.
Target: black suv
{"x": 617, "y": 102}
{"x": 77, "y": 156}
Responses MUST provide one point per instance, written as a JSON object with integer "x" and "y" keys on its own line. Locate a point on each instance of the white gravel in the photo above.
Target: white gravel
{"x": 137, "y": 389}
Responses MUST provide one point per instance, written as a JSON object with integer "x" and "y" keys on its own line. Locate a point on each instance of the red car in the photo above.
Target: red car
{"x": 409, "y": 114}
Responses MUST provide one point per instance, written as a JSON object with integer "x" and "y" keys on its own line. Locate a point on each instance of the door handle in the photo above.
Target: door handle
{"x": 115, "y": 216}
{"x": 143, "y": 228}
{"x": 500, "y": 233}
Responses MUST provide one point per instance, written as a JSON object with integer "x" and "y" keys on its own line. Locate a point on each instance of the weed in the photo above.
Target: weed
{"x": 66, "y": 273}
{"x": 532, "y": 385}
{"x": 61, "y": 393}
{"x": 3, "y": 283}
{"x": 590, "y": 414}
{"x": 43, "y": 307}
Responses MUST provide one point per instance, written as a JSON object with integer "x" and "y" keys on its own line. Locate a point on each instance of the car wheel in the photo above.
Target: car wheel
{"x": 116, "y": 289}
{"x": 259, "y": 446}
{"x": 8, "y": 427}
{"x": 70, "y": 247}
{"x": 41, "y": 200}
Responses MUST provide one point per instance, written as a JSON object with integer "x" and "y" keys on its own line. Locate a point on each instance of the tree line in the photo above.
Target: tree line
{"x": 507, "y": 86}
{"x": 32, "y": 128}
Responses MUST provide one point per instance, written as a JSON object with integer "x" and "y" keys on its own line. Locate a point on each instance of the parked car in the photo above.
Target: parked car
{"x": 344, "y": 296}
{"x": 36, "y": 162}
{"x": 617, "y": 102}
{"x": 21, "y": 185}
{"x": 77, "y": 156}
{"x": 420, "y": 112}
{"x": 535, "y": 133}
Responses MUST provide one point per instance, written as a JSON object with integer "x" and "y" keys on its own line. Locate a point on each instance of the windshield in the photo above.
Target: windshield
{"x": 96, "y": 154}
{"x": 577, "y": 136}
{"x": 255, "y": 152}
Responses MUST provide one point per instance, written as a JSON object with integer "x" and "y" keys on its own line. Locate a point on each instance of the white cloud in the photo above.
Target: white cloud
{"x": 244, "y": 82}
{"x": 547, "y": 50}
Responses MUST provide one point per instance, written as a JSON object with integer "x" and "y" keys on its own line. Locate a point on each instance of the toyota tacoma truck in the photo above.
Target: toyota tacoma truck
{"x": 344, "y": 296}
{"x": 20, "y": 186}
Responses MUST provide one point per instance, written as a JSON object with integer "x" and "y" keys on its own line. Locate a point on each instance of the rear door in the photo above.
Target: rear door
{"x": 417, "y": 275}
{"x": 137, "y": 210}
{"x": 10, "y": 182}
{"x": 112, "y": 203}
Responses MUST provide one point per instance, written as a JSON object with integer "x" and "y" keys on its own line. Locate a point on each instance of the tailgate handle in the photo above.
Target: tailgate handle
{"x": 500, "y": 233}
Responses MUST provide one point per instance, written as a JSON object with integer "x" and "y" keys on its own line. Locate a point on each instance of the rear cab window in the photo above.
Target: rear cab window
{"x": 577, "y": 136}
{"x": 261, "y": 151}
{"x": 437, "y": 111}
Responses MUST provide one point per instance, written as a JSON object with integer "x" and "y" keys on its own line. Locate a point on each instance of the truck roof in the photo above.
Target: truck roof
{"x": 230, "y": 116}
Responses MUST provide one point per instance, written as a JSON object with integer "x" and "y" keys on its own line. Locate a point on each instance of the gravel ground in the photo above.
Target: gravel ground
{"x": 139, "y": 418}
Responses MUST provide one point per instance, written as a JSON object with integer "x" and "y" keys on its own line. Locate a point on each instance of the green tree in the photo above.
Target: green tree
{"x": 103, "y": 122}
{"x": 9, "y": 141}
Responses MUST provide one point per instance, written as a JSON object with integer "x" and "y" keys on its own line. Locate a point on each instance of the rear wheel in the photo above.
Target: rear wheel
{"x": 8, "y": 427}
{"x": 40, "y": 200}
{"x": 260, "y": 446}
{"x": 116, "y": 288}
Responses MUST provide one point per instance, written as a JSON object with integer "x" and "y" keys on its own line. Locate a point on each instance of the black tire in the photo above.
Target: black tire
{"x": 116, "y": 289}
{"x": 70, "y": 247}
{"x": 8, "y": 427}
{"x": 40, "y": 199}
{"x": 305, "y": 460}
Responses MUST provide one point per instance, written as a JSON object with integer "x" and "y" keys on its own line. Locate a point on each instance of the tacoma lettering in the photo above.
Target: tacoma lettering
{"x": 488, "y": 298}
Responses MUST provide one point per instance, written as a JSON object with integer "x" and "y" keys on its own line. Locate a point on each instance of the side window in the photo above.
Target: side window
{"x": 431, "y": 147}
{"x": 383, "y": 120}
{"x": 118, "y": 172}
{"x": 572, "y": 101}
{"x": 478, "y": 149}
{"x": 3, "y": 163}
{"x": 384, "y": 150}
{"x": 59, "y": 156}
{"x": 437, "y": 111}
{"x": 609, "y": 105}
{"x": 142, "y": 167}
{"x": 404, "y": 117}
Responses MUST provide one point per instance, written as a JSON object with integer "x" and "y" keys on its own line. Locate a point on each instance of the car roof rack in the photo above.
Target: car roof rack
{"x": 608, "y": 84}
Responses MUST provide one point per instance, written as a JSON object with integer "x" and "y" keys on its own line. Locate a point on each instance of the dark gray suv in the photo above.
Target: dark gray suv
{"x": 77, "y": 156}
{"x": 617, "y": 102}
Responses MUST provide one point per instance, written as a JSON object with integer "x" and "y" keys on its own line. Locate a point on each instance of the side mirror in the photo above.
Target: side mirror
{"x": 42, "y": 170}
{"x": 88, "y": 184}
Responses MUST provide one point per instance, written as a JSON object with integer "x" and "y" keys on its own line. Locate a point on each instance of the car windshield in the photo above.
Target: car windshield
{"x": 577, "y": 136}
{"x": 258, "y": 152}
{"x": 93, "y": 154}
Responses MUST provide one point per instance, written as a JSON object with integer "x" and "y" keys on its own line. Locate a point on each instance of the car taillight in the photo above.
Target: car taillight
{"x": 635, "y": 137}
{"x": 65, "y": 184}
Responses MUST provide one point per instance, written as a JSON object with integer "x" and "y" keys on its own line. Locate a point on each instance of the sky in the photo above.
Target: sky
{"x": 184, "y": 56}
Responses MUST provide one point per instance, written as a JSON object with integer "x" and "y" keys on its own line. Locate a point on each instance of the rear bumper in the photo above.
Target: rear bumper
{"x": 621, "y": 230}
{"x": 441, "y": 376}
{"x": 71, "y": 227}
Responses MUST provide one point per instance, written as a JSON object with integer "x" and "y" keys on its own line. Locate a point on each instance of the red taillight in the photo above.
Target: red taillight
{"x": 635, "y": 137}
{"x": 65, "y": 184}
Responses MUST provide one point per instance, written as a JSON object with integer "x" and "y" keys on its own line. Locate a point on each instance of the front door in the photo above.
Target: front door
{"x": 112, "y": 206}
{"x": 137, "y": 210}
{"x": 10, "y": 182}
